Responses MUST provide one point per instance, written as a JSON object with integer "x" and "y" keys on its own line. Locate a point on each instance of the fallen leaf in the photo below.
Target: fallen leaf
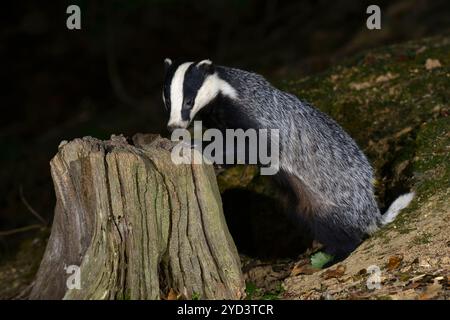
{"x": 424, "y": 264}
{"x": 409, "y": 294}
{"x": 403, "y": 132}
{"x": 432, "y": 63}
{"x": 172, "y": 295}
{"x": 413, "y": 285}
{"x": 303, "y": 269}
{"x": 360, "y": 85}
{"x": 421, "y": 49}
{"x": 334, "y": 77}
{"x": 319, "y": 259}
{"x": 336, "y": 273}
{"x": 394, "y": 262}
{"x": 386, "y": 77}
{"x": 431, "y": 291}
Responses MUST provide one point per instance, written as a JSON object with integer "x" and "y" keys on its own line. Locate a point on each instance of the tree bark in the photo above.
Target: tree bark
{"x": 137, "y": 225}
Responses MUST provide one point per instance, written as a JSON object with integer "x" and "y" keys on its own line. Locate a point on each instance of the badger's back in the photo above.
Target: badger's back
{"x": 313, "y": 146}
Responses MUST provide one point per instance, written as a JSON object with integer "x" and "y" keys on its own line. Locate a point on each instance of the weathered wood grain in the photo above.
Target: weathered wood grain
{"x": 137, "y": 225}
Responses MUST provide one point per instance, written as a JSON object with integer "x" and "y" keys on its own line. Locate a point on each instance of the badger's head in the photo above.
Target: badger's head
{"x": 189, "y": 87}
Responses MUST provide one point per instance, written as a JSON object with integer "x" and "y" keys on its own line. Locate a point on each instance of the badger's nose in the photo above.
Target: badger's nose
{"x": 172, "y": 127}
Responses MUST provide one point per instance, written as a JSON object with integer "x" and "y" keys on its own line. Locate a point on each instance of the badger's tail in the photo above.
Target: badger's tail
{"x": 400, "y": 203}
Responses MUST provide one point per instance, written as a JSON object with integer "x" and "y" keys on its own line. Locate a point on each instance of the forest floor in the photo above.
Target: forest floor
{"x": 412, "y": 263}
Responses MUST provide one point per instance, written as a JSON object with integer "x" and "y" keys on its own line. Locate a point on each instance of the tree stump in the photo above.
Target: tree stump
{"x": 137, "y": 225}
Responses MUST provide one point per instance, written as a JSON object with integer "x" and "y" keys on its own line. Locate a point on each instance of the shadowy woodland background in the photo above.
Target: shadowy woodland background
{"x": 105, "y": 78}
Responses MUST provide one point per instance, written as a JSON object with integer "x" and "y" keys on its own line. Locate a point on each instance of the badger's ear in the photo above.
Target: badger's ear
{"x": 167, "y": 63}
{"x": 206, "y": 65}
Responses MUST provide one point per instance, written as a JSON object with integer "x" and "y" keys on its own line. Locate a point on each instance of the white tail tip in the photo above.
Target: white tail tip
{"x": 399, "y": 204}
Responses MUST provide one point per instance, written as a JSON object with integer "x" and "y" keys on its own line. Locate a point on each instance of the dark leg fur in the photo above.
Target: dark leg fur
{"x": 339, "y": 240}
{"x": 325, "y": 226}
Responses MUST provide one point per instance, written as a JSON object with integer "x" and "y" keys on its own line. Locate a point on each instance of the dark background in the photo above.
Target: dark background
{"x": 106, "y": 78}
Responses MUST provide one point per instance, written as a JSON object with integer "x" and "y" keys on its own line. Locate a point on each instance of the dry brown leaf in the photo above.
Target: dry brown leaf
{"x": 334, "y": 77}
{"x": 172, "y": 295}
{"x": 413, "y": 285}
{"x": 386, "y": 77}
{"x": 403, "y": 132}
{"x": 432, "y": 63}
{"x": 421, "y": 49}
{"x": 303, "y": 269}
{"x": 409, "y": 294}
{"x": 431, "y": 291}
{"x": 336, "y": 273}
{"x": 394, "y": 262}
{"x": 360, "y": 85}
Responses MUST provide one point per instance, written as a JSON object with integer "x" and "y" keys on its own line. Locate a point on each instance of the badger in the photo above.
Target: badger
{"x": 327, "y": 174}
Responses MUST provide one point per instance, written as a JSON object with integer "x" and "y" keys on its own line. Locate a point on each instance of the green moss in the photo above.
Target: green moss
{"x": 255, "y": 293}
{"x": 251, "y": 290}
{"x": 274, "y": 295}
{"x": 404, "y": 277}
{"x": 432, "y": 165}
{"x": 423, "y": 238}
{"x": 236, "y": 177}
{"x": 196, "y": 296}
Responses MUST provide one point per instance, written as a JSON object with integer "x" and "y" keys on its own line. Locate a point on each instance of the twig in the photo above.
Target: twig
{"x": 19, "y": 230}
{"x": 30, "y": 208}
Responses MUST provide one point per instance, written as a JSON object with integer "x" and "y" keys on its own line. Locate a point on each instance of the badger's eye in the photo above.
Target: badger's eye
{"x": 190, "y": 102}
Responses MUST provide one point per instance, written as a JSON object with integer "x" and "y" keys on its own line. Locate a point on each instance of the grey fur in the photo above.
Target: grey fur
{"x": 327, "y": 172}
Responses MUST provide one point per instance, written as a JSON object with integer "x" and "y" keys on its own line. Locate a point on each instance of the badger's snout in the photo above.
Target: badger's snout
{"x": 172, "y": 126}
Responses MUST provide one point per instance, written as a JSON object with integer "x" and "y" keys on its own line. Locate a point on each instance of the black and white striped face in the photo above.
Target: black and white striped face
{"x": 188, "y": 87}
